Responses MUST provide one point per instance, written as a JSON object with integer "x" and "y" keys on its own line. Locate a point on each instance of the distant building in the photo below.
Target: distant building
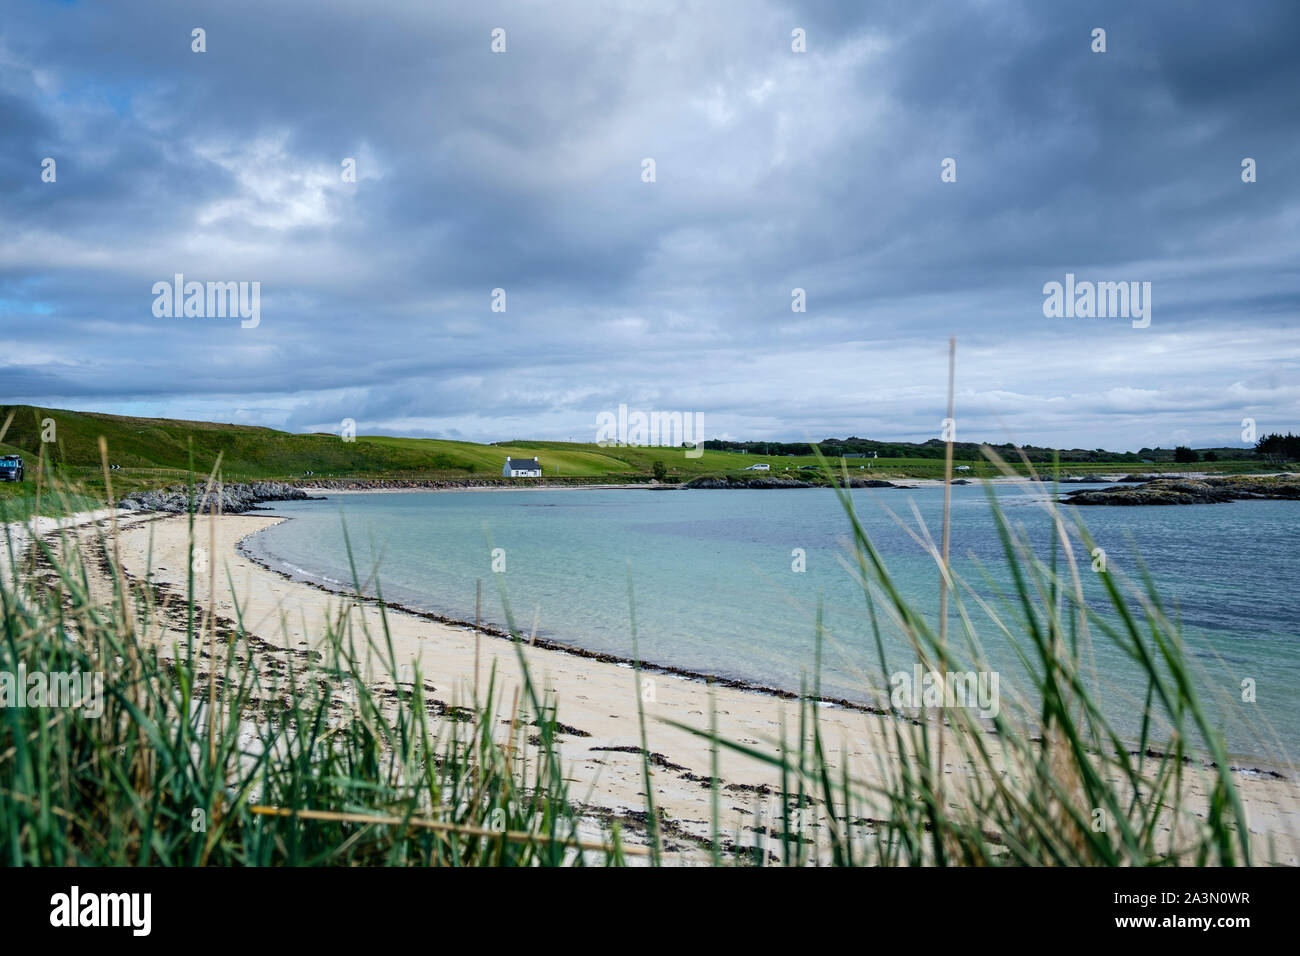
{"x": 522, "y": 468}
{"x": 761, "y": 466}
{"x": 963, "y": 468}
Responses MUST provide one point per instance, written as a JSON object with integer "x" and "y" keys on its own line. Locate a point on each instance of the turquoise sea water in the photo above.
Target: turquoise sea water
{"x": 715, "y": 591}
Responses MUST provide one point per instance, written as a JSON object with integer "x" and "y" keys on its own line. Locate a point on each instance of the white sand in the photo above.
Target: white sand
{"x": 17, "y": 535}
{"x": 595, "y": 697}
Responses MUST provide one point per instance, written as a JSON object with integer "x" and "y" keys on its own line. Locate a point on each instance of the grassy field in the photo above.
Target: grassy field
{"x": 143, "y": 445}
{"x": 18, "y": 503}
{"x": 152, "y": 452}
{"x": 573, "y": 458}
{"x": 586, "y": 460}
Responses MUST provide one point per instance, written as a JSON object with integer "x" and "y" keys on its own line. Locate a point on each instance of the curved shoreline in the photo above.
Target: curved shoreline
{"x": 607, "y": 725}
{"x": 1265, "y": 766}
{"x": 549, "y": 644}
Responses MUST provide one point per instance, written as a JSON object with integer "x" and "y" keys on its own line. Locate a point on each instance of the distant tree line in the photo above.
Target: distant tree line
{"x": 1279, "y": 448}
{"x": 934, "y": 448}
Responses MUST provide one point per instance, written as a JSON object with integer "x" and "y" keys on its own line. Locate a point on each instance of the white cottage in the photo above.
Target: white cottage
{"x": 522, "y": 468}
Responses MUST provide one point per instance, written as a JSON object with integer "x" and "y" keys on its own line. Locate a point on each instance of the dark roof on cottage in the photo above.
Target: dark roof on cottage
{"x": 523, "y": 463}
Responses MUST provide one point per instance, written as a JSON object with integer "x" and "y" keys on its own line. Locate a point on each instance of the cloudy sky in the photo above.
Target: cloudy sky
{"x": 774, "y": 170}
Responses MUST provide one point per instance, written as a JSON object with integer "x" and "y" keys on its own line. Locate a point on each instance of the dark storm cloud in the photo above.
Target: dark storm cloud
{"x": 775, "y": 170}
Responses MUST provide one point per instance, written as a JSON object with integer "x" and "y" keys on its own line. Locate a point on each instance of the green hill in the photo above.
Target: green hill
{"x": 159, "y": 451}
{"x": 154, "y": 444}
{"x": 143, "y": 447}
{"x": 140, "y": 445}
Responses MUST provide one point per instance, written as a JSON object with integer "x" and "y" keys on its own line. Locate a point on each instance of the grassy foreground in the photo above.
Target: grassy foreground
{"x": 201, "y": 757}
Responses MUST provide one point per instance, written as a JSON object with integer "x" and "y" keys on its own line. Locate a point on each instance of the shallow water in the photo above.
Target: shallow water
{"x": 715, "y": 591}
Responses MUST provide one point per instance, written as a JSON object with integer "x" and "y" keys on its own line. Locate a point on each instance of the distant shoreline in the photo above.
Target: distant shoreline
{"x": 241, "y": 497}
{"x": 444, "y": 487}
{"x": 437, "y": 485}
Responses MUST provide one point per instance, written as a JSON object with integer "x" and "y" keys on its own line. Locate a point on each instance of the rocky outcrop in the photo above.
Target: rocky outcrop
{"x": 1137, "y": 479}
{"x": 735, "y": 481}
{"x": 231, "y": 499}
{"x": 435, "y": 484}
{"x": 1184, "y": 491}
{"x": 760, "y": 481}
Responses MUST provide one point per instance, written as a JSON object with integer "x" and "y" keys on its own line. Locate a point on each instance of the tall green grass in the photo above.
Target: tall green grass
{"x": 208, "y": 752}
{"x": 1049, "y": 780}
{"x": 212, "y": 751}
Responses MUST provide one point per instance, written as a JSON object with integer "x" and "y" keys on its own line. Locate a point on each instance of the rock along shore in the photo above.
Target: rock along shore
{"x": 758, "y": 481}
{"x": 246, "y": 497}
{"x": 414, "y": 484}
{"x": 1183, "y": 491}
{"x": 230, "y": 499}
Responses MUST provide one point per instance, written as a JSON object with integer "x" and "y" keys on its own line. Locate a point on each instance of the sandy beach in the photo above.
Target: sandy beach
{"x": 17, "y": 536}
{"x": 597, "y": 699}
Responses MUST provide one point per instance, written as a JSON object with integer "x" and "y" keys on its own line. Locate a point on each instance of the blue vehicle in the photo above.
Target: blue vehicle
{"x": 11, "y": 468}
